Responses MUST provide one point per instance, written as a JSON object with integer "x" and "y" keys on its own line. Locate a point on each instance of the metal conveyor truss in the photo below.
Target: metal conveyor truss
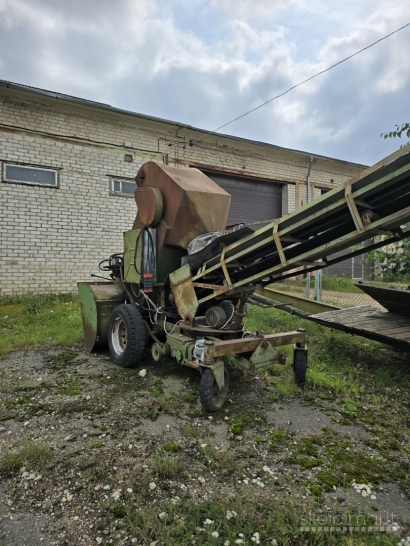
{"x": 376, "y": 202}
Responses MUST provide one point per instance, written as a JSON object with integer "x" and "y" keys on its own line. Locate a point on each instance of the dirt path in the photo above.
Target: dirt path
{"x": 110, "y": 430}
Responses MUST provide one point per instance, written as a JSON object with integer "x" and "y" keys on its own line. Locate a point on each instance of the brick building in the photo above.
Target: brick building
{"x": 68, "y": 168}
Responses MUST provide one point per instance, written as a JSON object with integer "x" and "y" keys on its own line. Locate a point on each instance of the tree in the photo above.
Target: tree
{"x": 394, "y": 260}
{"x": 400, "y": 129}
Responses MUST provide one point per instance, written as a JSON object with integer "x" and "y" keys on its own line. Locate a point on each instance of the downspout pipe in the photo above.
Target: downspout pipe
{"x": 308, "y": 201}
{"x": 309, "y": 197}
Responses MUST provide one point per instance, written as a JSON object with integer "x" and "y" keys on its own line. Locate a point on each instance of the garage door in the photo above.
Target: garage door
{"x": 251, "y": 201}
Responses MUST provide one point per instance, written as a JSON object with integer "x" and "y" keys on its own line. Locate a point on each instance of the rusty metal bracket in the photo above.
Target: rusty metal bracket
{"x": 184, "y": 293}
{"x": 224, "y": 268}
{"x": 249, "y": 344}
{"x": 353, "y": 208}
{"x": 278, "y": 244}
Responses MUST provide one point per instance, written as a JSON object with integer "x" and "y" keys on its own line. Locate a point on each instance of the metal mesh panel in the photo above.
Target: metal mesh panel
{"x": 338, "y": 283}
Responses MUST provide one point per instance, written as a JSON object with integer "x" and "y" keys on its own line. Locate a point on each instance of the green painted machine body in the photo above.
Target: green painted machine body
{"x": 98, "y": 300}
{"x": 132, "y": 256}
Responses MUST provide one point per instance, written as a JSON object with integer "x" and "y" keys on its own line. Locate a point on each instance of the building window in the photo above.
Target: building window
{"x": 35, "y": 176}
{"x": 119, "y": 186}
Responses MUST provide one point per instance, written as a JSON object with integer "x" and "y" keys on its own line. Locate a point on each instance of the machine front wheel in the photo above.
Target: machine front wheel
{"x": 126, "y": 335}
{"x": 212, "y": 399}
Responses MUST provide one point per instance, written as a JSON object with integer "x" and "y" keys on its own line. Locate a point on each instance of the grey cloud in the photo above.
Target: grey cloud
{"x": 136, "y": 56}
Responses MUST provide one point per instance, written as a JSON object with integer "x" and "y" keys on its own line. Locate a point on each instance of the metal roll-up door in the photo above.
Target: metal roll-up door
{"x": 251, "y": 201}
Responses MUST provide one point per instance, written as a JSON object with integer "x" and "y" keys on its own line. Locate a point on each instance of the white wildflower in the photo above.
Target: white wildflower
{"x": 361, "y": 488}
{"x": 231, "y": 514}
{"x": 215, "y": 534}
{"x": 203, "y": 446}
{"x": 208, "y": 522}
{"x": 255, "y": 538}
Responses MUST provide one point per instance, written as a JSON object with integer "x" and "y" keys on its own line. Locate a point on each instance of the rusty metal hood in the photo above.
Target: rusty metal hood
{"x": 192, "y": 203}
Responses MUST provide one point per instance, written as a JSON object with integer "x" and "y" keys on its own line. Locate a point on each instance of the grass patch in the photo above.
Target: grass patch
{"x": 241, "y": 520}
{"x": 170, "y": 447}
{"x": 68, "y": 384}
{"x": 167, "y": 467}
{"x": 338, "y": 284}
{"x": 222, "y": 460}
{"x": 33, "y": 455}
{"x": 242, "y": 419}
{"x": 337, "y": 362}
{"x": 31, "y": 320}
{"x": 169, "y": 404}
{"x": 195, "y": 432}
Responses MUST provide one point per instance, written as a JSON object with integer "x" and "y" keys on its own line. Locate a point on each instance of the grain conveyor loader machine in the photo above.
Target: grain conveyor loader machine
{"x": 184, "y": 284}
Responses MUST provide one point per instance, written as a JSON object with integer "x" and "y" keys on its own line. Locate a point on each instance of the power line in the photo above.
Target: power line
{"x": 308, "y": 79}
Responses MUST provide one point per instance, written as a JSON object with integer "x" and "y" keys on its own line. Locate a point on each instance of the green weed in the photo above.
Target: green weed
{"x": 167, "y": 467}
{"x": 170, "y": 447}
{"x": 32, "y": 454}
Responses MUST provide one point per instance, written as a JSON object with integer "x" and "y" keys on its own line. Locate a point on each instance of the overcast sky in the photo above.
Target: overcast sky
{"x": 204, "y": 62}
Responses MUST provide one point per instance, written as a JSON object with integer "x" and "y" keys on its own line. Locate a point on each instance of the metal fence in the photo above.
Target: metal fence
{"x": 337, "y": 285}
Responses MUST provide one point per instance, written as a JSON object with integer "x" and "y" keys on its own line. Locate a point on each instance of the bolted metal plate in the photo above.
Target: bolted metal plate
{"x": 184, "y": 293}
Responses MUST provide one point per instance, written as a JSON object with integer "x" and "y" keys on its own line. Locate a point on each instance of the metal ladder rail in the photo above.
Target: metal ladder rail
{"x": 318, "y": 216}
{"x": 392, "y": 177}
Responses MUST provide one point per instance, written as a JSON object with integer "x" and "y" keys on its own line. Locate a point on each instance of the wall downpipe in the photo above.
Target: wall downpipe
{"x": 308, "y": 179}
{"x": 308, "y": 201}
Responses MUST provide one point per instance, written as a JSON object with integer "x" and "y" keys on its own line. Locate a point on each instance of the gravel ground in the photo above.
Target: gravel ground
{"x": 106, "y": 425}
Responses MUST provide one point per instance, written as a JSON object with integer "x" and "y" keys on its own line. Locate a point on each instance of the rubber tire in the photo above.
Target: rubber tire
{"x": 130, "y": 319}
{"x": 211, "y": 398}
{"x": 299, "y": 368}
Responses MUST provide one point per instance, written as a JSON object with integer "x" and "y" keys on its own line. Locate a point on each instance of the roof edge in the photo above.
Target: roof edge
{"x": 114, "y": 109}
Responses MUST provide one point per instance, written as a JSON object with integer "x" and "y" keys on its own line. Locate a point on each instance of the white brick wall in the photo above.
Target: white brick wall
{"x": 51, "y": 238}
